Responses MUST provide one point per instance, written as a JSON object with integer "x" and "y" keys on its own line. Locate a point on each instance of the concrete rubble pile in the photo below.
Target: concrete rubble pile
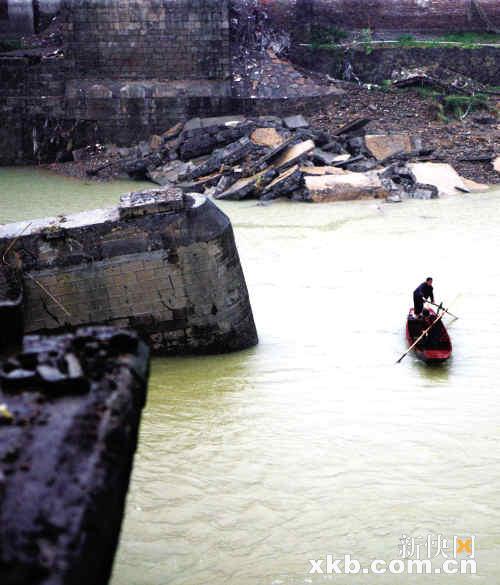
{"x": 267, "y": 158}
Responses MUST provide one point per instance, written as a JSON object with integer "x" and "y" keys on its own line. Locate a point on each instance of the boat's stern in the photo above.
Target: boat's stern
{"x": 436, "y": 356}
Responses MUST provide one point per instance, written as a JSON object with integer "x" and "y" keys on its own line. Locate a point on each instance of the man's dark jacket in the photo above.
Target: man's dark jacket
{"x": 424, "y": 290}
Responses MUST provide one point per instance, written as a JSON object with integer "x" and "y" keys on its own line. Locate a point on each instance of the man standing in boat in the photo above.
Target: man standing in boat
{"x": 423, "y": 293}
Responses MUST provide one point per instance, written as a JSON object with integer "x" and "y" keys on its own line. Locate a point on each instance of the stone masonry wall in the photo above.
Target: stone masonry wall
{"x": 23, "y": 17}
{"x": 434, "y": 16}
{"x": 43, "y": 111}
{"x": 174, "y": 275}
{"x": 16, "y": 18}
{"x": 132, "y": 68}
{"x": 38, "y": 98}
{"x": 165, "y": 39}
{"x": 32, "y": 102}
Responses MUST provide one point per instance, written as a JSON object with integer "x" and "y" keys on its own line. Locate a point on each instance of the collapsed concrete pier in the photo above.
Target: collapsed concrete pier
{"x": 70, "y": 408}
{"x": 163, "y": 263}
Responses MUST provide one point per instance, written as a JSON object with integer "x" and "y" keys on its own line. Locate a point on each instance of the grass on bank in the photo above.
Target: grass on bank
{"x": 448, "y": 107}
{"x": 10, "y": 45}
{"x": 334, "y": 38}
{"x": 465, "y": 40}
{"x": 459, "y": 106}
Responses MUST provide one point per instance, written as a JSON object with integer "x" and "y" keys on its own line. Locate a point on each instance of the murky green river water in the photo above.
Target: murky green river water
{"x": 315, "y": 443}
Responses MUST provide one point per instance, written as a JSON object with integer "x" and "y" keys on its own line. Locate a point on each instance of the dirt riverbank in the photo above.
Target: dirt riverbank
{"x": 399, "y": 111}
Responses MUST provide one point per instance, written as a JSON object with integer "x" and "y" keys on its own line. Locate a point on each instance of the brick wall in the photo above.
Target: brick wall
{"x": 167, "y": 39}
{"x": 174, "y": 276}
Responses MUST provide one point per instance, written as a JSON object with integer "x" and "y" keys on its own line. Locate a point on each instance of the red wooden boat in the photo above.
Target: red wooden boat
{"x": 436, "y": 347}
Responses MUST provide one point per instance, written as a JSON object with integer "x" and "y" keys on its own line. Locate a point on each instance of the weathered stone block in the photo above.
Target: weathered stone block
{"x": 382, "y": 146}
{"x": 151, "y": 201}
{"x": 345, "y": 187}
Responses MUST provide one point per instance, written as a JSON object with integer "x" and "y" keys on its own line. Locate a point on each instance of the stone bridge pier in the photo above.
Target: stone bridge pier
{"x": 163, "y": 263}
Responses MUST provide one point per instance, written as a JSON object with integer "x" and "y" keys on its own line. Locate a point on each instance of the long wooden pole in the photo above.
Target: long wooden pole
{"x": 422, "y": 336}
{"x": 445, "y": 310}
{"x": 13, "y": 243}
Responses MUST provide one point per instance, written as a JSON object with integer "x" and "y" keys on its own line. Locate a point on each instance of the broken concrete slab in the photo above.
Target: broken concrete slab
{"x": 293, "y": 154}
{"x": 354, "y": 127}
{"x": 225, "y": 182}
{"x": 284, "y": 185}
{"x": 264, "y": 161}
{"x": 383, "y": 146}
{"x": 155, "y": 142}
{"x": 226, "y": 156}
{"x": 69, "y": 427}
{"x": 323, "y": 157}
{"x": 247, "y": 187}
{"x": 139, "y": 167}
{"x": 319, "y": 137}
{"x": 474, "y": 186}
{"x": 442, "y": 175}
{"x": 336, "y": 146}
{"x": 168, "y": 174}
{"x": 362, "y": 166}
{"x": 242, "y": 189}
{"x": 266, "y": 137}
{"x": 173, "y": 132}
{"x": 199, "y": 140}
{"x": 296, "y": 122}
{"x": 201, "y": 184}
{"x": 341, "y": 158}
{"x": 319, "y": 171}
{"x": 346, "y": 187}
{"x": 192, "y": 124}
{"x": 345, "y": 162}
